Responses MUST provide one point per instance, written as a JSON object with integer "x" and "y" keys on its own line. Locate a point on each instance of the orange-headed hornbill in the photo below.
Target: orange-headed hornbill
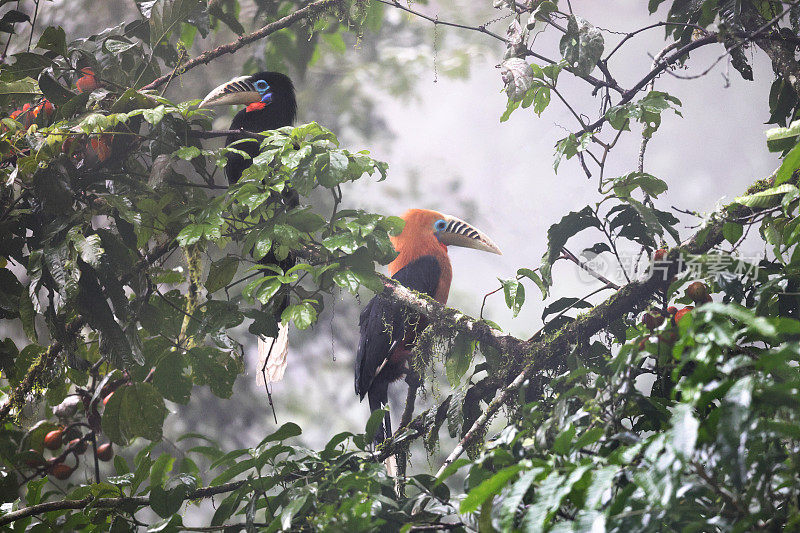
{"x": 271, "y": 104}
{"x": 388, "y": 329}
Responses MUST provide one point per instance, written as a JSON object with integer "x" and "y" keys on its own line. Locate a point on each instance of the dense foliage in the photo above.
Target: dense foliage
{"x": 672, "y": 405}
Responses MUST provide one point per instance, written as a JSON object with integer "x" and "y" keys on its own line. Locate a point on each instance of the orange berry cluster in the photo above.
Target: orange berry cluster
{"x": 697, "y": 291}
{"x": 28, "y": 114}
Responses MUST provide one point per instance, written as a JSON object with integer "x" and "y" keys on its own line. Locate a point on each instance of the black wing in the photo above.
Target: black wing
{"x": 383, "y": 321}
{"x": 236, "y": 163}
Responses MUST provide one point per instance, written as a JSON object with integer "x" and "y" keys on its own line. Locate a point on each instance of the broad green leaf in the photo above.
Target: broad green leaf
{"x": 23, "y": 86}
{"x": 581, "y": 46}
{"x": 136, "y": 410}
{"x": 558, "y": 234}
{"x": 509, "y": 505}
{"x": 303, "y": 315}
{"x": 53, "y": 38}
{"x": 768, "y": 198}
{"x": 221, "y": 273}
{"x": 488, "y": 489}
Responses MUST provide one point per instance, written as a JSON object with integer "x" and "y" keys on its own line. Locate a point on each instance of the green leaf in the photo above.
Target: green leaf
{"x": 589, "y": 437}
{"x": 23, "y": 86}
{"x": 155, "y": 115}
{"x": 291, "y": 509}
{"x": 171, "y": 380}
{"x": 789, "y": 165}
{"x": 303, "y": 315}
{"x": 215, "y": 368}
{"x": 136, "y": 410}
{"x": 53, "y": 38}
{"x": 458, "y": 359}
{"x": 549, "y": 496}
{"x": 625, "y": 185}
{"x": 373, "y": 423}
{"x": 166, "y": 16}
{"x": 534, "y": 277}
{"x": 581, "y": 46}
{"x": 168, "y": 500}
{"x": 54, "y": 91}
{"x": 559, "y": 233}
{"x": 27, "y": 315}
{"x": 221, "y": 273}
{"x": 684, "y": 431}
{"x": 514, "y": 293}
{"x": 732, "y": 231}
{"x": 488, "y": 488}
{"x": 286, "y": 431}
{"x": 768, "y": 198}
{"x": 510, "y": 504}
{"x": 187, "y": 153}
{"x": 780, "y": 139}
{"x": 306, "y": 221}
{"x": 563, "y": 442}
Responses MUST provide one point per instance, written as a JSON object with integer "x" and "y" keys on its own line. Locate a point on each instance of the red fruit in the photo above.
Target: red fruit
{"x": 52, "y": 440}
{"x": 652, "y": 321}
{"x": 101, "y": 147}
{"x": 105, "y": 452}
{"x": 107, "y": 398}
{"x": 659, "y": 254}
{"x": 78, "y": 446}
{"x": 680, "y": 314}
{"x": 672, "y": 309}
{"x": 49, "y": 109}
{"x": 60, "y": 471}
{"x": 697, "y": 291}
{"x": 16, "y": 113}
{"x": 26, "y": 107}
{"x": 87, "y": 83}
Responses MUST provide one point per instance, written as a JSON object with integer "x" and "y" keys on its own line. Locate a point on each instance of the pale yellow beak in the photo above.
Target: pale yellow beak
{"x": 236, "y": 91}
{"x": 459, "y": 233}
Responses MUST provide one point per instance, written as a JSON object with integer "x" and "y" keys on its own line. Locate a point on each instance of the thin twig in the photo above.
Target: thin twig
{"x": 301, "y": 14}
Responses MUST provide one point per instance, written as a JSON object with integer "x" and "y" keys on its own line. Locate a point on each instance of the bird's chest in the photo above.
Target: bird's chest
{"x": 443, "y": 287}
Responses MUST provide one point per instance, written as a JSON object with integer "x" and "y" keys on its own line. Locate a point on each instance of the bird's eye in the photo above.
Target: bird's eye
{"x": 262, "y": 86}
{"x": 440, "y": 224}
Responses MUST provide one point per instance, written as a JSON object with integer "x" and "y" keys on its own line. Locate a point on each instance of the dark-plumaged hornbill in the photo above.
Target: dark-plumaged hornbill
{"x": 389, "y": 329}
{"x": 271, "y": 104}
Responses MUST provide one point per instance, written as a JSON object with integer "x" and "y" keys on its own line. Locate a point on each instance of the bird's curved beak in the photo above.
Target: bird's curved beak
{"x": 459, "y": 233}
{"x": 236, "y": 91}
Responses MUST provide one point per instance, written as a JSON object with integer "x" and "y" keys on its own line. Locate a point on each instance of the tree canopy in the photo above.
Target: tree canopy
{"x": 663, "y": 401}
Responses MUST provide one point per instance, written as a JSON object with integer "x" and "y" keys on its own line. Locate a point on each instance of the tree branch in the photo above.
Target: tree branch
{"x": 781, "y": 55}
{"x": 628, "y": 299}
{"x": 303, "y": 13}
{"x": 628, "y": 95}
{"x": 598, "y": 84}
{"x": 109, "y": 503}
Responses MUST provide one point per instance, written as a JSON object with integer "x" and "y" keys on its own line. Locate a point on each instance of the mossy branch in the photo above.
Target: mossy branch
{"x": 529, "y": 357}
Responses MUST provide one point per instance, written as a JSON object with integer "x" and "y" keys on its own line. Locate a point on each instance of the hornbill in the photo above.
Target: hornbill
{"x": 271, "y": 104}
{"x": 389, "y": 329}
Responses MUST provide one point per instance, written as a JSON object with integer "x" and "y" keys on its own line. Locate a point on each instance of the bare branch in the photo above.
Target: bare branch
{"x": 301, "y": 14}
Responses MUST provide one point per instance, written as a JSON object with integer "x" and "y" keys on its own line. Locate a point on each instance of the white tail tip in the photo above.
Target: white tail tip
{"x": 272, "y": 352}
{"x": 391, "y": 466}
